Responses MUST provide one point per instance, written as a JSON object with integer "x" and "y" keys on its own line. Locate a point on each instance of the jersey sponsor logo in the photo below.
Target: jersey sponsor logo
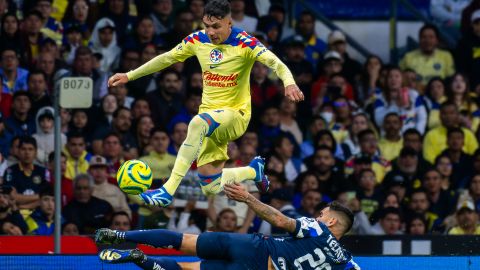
{"x": 216, "y": 56}
{"x": 217, "y": 80}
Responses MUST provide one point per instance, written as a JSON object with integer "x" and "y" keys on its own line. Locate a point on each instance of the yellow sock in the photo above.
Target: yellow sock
{"x": 213, "y": 184}
{"x": 187, "y": 153}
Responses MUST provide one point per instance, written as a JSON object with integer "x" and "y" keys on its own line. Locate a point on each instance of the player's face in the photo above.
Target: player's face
{"x": 217, "y": 29}
{"x": 326, "y": 218}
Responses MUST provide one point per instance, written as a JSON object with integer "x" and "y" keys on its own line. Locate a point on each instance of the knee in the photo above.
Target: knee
{"x": 204, "y": 120}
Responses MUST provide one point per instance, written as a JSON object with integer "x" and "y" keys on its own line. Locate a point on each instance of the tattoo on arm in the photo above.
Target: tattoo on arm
{"x": 270, "y": 214}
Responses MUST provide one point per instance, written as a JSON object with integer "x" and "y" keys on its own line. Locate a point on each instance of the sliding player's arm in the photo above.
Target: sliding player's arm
{"x": 265, "y": 212}
{"x": 266, "y": 57}
{"x": 178, "y": 54}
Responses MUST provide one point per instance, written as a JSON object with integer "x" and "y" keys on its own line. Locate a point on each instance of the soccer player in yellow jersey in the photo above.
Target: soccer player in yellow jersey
{"x": 226, "y": 55}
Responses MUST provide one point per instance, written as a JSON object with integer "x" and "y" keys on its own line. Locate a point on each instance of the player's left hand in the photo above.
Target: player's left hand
{"x": 293, "y": 93}
{"x": 236, "y": 192}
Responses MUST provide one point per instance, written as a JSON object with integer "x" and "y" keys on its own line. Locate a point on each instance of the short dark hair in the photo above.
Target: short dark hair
{"x": 121, "y": 213}
{"x": 345, "y": 214}
{"x": 391, "y": 114}
{"x": 36, "y": 72}
{"x": 51, "y": 156}
{"x": 167, "y": 71}
{"x": 46, "y": 191}
{"x": 217, "y": 8}
{"x": 412, "y": 131}
{"x": 73, "y": 135}
{"x": 158, "y": 129}
{"x": 113, "y": 134}
{"x": 429, "y": 26}
{"x": 455, "y": 130}
{"x": 82, "y": 51}
{"x": 324, "y": 148}
{"x": 362, "y": 134}
{"x": 118, "y": 110}
{"x": 28, "y": 140}
{"x": 34, "y": 12}
{"x": 448, "y": 103}
{"x": 391, "y": 210}
{"x": 21, "y": 93}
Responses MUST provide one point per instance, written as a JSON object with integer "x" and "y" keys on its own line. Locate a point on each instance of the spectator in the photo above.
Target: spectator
{"x": 472, "y": 193}
{"x": 20, "y": 122}
{"x": 368, "y": 144}
{"x": 104, "y": 41}
{"x": 14, "y": 78}
{"x": 186, "y": 220}
{"x": 105, "y": 190}
{"x": 247, "y": 152}
{"x": 444, "y": 165}
{"x": 89, "y": 212}
{"x": 281, "y": 200}
{"x": 32, "y": 26}
{"x": 264, "y": 90}
{"x": 108, "y": 106}
{"x": 226, "y": 221}
{"x": 369, "y": 194}
{"x": 178, "y": 134}
{"x": 66, "y": 183}
{"x": 120, "y": 93}
{"x": 428, "y": 60}
{"x": 80, "y": 123}
{"x": 182, "y": 27}
{"x": 162, "y": 15}
{"x": 121, "y": 124}
{"x": 436, "y": 139}
{"x": 9, "y": 228}
{"x": 284, "y": 147}
{"x": 14, "y": 153}
{"x": 369, "y": 82}
{"x": 350, "y": 146}
{"x": 140, "y": 107}
{"x": 48, "y": 65}
{"x": 196, "y": 7}
{"x": 240, "y": 19}
{"x": 10, "y": 33}
{"x": 310, "y": 201}
{"x": 305, "y": 181}
{"x": 465, "y": 60}
{"x": 416, "y": 225}
{"x": 65, "y": 117}
{"x": 70, "y": 229}
{"x": 406, "y": 102}
{"x": 391, "y": 143}
{"x": 314, "y": 47}
{"x": 296, "y": 61}
{"x": 458, "y": 92}
{"x": 389, "y": 224}
{"x": 317, "y": 123}
{"x": 45, "y": 136}
{"x": 77, "y": 156}
{"x": 142, "y": 134}
{"x": 73, "y": 41}
{"x": 448, "y": 13}
{"x": 144, "y": 34}
{"x": 462, "y": 162}
{"x": 331, "y": 181}
{"x": 9, "y": 212}
{"x": 121, "y": 222}
{"x": 442, "y": 202}
{"x": 159, "y": 160}
{"x": 83, "y": 66}
{"x": 51, "y": 28}
{"x": 5, "y": 138}
{"x": 119, "y": 13}
{"x": 419, "y": 205}
{"x": 270, "y": 30}
{"x": 338, "y": 42}
{"x": 435, "y": 94}
{"x": 113, "y": 151}
{"x": 41, "y": 222}
{"x": 406, "y": 169}
{"x": 80, "y": 13}
{"x": 288, "y": 123}
{"x": 190, "y": 108}
{"x": 26, "y": 177}
{"x": 37, "y": 88}
{"x": 165, "y": 102}
{"x": 467, "y": 220}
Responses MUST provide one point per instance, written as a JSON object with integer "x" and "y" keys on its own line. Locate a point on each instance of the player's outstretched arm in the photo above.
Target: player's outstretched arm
{"x": 271, "y": 215}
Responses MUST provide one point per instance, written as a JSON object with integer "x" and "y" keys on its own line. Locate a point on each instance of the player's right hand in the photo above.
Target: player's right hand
{"x": 118, "y": 79}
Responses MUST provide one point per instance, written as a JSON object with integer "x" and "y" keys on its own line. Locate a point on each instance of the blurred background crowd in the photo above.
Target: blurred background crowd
{"x": 397, "y": 143}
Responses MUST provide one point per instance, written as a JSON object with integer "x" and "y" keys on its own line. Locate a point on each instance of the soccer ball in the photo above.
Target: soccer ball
{"x": 134, "y": 177}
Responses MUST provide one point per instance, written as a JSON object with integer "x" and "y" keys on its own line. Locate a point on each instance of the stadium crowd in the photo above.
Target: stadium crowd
{"x": 397, "y": 144}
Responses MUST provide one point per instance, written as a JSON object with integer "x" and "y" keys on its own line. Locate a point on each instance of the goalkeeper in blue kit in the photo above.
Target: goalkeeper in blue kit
{"x": 313, "y": 244}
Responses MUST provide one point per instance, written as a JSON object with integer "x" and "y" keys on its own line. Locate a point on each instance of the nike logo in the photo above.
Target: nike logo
{"x": 212, "y": 66}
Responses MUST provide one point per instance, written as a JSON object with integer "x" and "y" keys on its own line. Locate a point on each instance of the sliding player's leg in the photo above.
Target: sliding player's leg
{"x": 213, "y": 155}
{"x": 116, "y": 256}
{"x": 187, "y": 243}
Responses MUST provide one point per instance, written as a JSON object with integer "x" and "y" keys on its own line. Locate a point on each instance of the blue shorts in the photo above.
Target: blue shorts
{"x": 231, "y": 251}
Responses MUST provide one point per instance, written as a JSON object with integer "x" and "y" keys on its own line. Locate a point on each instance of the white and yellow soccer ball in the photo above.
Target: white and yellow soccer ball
{"x": 134, "y": 177}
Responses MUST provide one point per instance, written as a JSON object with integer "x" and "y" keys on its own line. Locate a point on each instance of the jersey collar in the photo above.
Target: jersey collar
{"x": 233, "y": 35}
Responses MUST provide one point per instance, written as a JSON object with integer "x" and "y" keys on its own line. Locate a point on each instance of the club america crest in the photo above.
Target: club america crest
{"x": 216, "y": 56}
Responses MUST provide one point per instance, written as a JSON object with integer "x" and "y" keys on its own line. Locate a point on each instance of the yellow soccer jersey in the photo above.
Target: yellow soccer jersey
{"x": 226, "y": 67}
